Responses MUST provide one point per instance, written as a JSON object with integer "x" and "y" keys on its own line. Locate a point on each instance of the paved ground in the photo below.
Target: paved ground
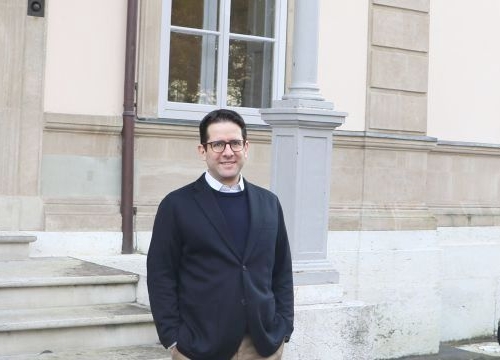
{"x": 485, "y": 349}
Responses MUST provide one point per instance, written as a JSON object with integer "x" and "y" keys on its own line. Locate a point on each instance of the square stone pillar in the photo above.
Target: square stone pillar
{"x": 302, "y": 132}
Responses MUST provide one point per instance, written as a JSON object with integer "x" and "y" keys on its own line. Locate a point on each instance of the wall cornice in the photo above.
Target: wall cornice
{"x": 76, "y": 123}
{"x": 378, "y": 141}
{"x": 112, "y": 125}
{"x": 467, "y": 148}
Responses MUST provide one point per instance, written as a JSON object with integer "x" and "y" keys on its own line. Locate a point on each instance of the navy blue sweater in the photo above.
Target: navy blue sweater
{"x": 234, "y": 206}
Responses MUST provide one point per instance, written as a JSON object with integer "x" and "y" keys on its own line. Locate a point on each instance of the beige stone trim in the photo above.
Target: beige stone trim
{"x": 149, "y": 59}
{"x": 170, "y": 130}
{"x": 396, "y": 182}
{"x": 398, "y": 29}
{"x": 466, "y": 214}
{"x": 166, "y": 130}
{"x": 467, "y": 149}
{"x": 398, "y": 111}
{"x": 417, "y": 5}
{"x": 112, "y": 125}
{"x": 90, "y": 124}
{"x": 463, "y": 185}
{"x": 397, "y": 76}
{"x": 381, "y": 142}
{"x": 22, "y": 60}
{"x": 80, "y": 214}
{"x": 398, "y": 70}
{"x": 381, "y": 217}
{"x": 378, "y": 182}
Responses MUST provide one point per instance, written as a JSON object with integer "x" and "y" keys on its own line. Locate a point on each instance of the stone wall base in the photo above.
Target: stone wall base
{"x": 332, "y": 331}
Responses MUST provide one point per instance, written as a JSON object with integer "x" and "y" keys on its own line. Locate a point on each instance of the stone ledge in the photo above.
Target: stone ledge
{"x": 76, "y": 316}
{"x": 15, "y": 246}
{"x": 51, "y": 271}
{"x": 416, "y": 5}
{"x": 6, "y": 238}
{"x": 381, "y": 217}
{"x": 141, "y": 352}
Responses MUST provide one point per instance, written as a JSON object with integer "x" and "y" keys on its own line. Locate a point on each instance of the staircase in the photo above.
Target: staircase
{"x": 66, "y": 308}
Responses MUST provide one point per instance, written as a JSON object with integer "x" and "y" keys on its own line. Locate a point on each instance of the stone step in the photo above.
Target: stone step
{"x": 51, "y": 282}
{"x": 141, "y": 352}
{"x": 32, "y": 331}
{"x": 15, "y": 246}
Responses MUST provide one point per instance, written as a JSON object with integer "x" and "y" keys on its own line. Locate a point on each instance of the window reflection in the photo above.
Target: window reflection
{"x": 192, "y": 70}
{"x": 196, "y": 14}
{"x": 253, "y": 17}
{"x": 250, "y": 74}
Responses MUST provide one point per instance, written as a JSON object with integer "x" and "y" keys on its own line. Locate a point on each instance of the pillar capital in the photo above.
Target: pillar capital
{"x": 304, "y": 114}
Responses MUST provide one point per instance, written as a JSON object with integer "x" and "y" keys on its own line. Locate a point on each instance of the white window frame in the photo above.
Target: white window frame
{"x": 186, "y": 111}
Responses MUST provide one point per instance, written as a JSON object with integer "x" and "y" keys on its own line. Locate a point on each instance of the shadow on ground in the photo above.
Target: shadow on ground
{"x": 450, "y": 351}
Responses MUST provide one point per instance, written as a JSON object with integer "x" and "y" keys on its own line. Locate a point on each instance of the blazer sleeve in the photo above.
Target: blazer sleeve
{"x": 162, "y": 272}
{"x": 283, "y": 276}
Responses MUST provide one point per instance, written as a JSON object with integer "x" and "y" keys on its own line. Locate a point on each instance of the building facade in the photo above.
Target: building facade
{"x": 414, "y": 214}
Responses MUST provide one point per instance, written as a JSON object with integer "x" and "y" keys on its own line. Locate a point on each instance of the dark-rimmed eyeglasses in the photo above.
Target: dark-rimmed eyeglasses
{"x": 220, "y": 146}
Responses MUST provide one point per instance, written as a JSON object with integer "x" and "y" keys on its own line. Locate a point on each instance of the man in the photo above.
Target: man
{"x": 219, "y": 264}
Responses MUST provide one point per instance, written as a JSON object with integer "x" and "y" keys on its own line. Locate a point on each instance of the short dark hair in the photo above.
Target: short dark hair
{"x": 221, "y": 115}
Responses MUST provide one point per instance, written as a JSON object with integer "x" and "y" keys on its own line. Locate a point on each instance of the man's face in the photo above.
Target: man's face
{"x": 225, "y": 166}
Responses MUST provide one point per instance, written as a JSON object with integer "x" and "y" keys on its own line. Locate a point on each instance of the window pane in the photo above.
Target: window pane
{"x": 192, "y": 68}
{"x": 197, "y": 14}
{"x": 253, "y": 17}
{"x": 250, "y": 74}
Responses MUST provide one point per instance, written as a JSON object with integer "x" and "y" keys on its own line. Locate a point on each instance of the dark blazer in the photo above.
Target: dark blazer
{"x": 203, "y": 294}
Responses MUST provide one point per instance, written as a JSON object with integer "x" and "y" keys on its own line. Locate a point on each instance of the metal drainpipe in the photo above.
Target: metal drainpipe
{"x": 129, "y": 116}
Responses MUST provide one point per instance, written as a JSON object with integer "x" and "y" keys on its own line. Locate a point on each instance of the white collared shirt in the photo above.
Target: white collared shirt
{"x": 217, "y": 185}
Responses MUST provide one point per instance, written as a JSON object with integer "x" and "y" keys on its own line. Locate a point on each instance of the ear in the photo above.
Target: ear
{"x": 202, "y": 152}
{"x": 245, "y": 149}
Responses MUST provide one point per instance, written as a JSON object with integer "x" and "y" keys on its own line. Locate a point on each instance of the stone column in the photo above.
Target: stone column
{"x": 305, "y": 52}
{"x": 302, "y": 126}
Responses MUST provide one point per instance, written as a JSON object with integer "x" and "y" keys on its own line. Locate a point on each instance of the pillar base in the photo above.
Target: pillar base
{"x": 316, "y": 282}
{"x": 326, "y": 327}
{"x": 314, "y": 272}
{"x": 332, "y": 331}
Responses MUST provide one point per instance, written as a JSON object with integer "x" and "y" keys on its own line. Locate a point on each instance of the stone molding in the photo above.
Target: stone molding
{"x": 381, "y": 217}
{"x": 76, "y": 123}
{"x": 467, "y": 148}
{"x": 465, "y": 215}
{"x": 112, "y": 125}
{"x": 82, "y": 214}
{"x": 416, "y": 5}
{"x": 462, "y": 185}
{"x": 374, "y": 140}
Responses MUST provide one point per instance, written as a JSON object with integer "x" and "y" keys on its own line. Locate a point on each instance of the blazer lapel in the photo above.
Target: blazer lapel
{"x": 208, "y": 204}
{"x": 256, "y": 219}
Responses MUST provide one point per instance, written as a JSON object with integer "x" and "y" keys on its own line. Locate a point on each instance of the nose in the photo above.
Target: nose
{"x": 227, "y": 150}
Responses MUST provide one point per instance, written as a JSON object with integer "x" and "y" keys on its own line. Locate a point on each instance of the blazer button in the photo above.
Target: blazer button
{"x": 243, "y": 302}
{"x": 244, "y": 268}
